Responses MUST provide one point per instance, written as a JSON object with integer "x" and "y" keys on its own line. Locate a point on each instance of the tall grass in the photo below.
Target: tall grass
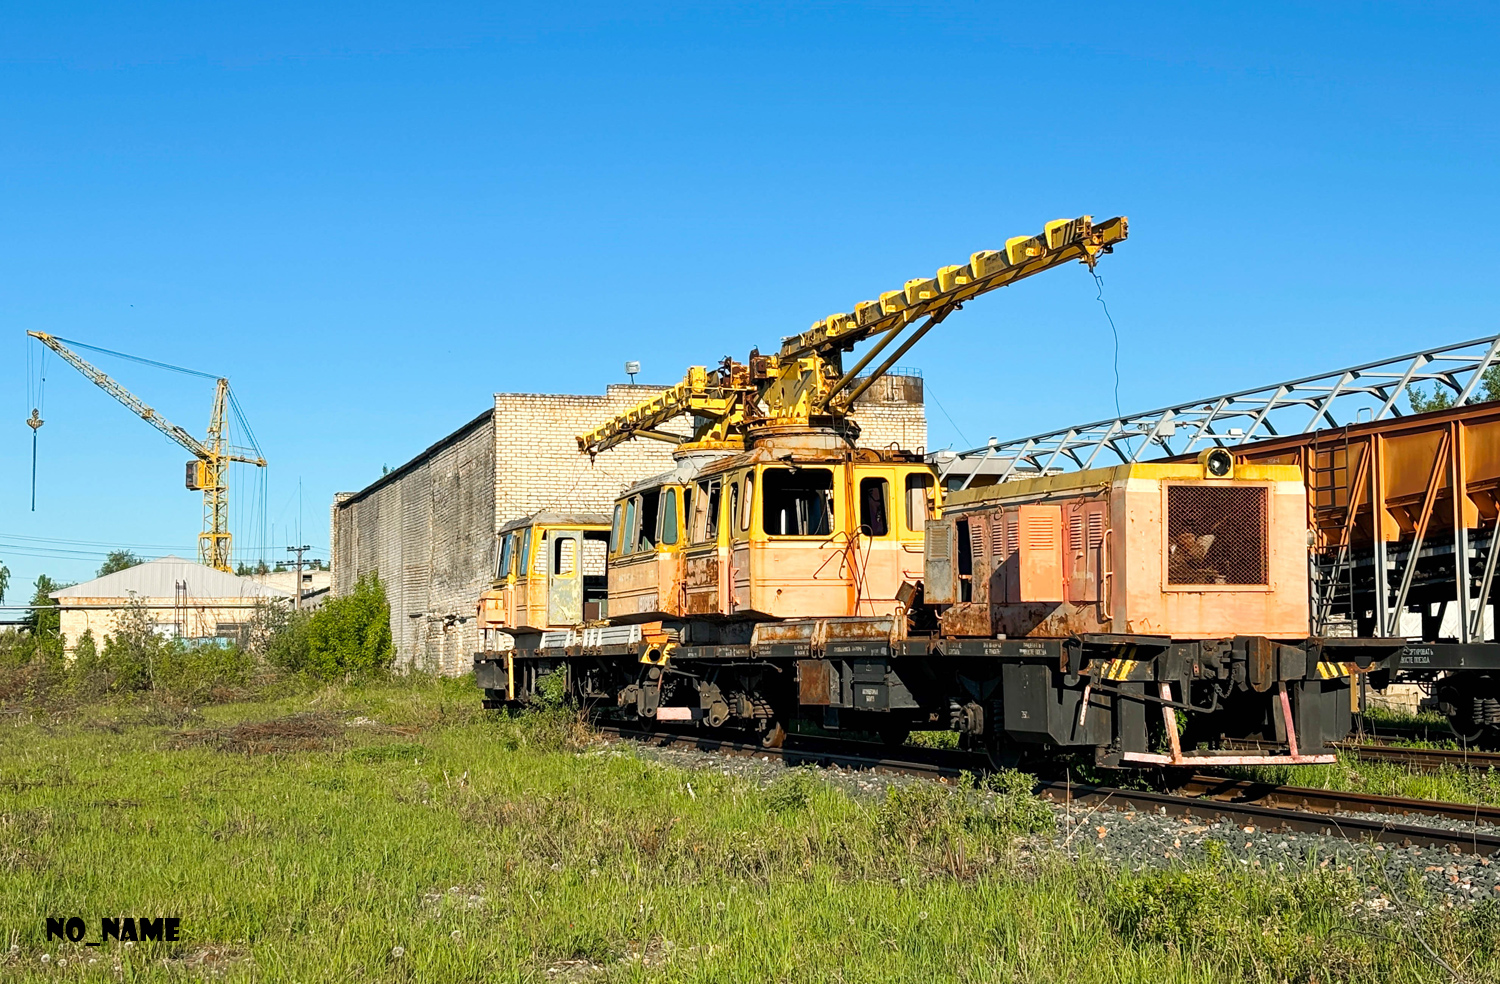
{"x": 390, "y": 831}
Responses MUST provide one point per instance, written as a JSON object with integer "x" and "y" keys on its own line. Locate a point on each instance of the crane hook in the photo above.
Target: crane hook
{"x": 34, "y": 421}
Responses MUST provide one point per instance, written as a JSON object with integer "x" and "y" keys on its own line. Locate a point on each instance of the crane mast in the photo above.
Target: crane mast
{"x": 208, "y": 472}
{"x": 805, "y": 382}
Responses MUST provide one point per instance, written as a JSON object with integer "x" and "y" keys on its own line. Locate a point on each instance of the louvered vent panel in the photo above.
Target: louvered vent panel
{"x": 937, "y": 541}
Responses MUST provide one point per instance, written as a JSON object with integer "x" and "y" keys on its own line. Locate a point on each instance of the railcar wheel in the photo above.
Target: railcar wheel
{"x": 1469, "y": 715}
{"x": 1003, "y": 755}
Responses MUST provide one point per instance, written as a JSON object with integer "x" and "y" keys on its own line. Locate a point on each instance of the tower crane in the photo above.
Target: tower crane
{"x": 805, "y": 382}
{"x": 208, "y": 472}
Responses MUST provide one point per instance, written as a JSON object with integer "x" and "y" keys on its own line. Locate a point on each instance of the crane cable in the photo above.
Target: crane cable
{"x": 36, "y": 396}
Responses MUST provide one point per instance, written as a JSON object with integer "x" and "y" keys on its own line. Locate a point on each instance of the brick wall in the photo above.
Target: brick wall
{"x": 427, "y": 529}
{"x": 539, "y": 466}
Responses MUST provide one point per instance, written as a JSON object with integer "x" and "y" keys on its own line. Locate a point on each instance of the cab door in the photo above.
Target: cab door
{"x": 565, "y": 577}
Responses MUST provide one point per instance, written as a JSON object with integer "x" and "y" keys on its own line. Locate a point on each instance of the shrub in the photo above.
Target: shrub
{"x": 792, "y": 791}
{"x": 348, "y": 636}
{"x": 351, "y": 635}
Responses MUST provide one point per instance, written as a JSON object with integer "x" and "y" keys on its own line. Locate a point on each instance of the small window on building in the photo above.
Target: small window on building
{"x": 564, "y": 556}
{"x": 668, "y": 534}
{"x": 872, "y": 511}
{"x": 228, "y": 630}
{"x": 747, "y": 504}
{"x": 797, "y": 502}
{"x": 646, "y": 538}
{"x": 918, "y": 501}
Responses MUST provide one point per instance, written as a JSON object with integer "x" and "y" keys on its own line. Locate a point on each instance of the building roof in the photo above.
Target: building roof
{"x": 160, "y": 578}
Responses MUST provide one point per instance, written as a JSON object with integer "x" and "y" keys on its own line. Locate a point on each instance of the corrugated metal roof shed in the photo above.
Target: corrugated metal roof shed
{"x": 159, "y": 579}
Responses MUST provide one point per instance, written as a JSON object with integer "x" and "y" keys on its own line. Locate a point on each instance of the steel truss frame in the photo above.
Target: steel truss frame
{"x": 1361, "y": 394}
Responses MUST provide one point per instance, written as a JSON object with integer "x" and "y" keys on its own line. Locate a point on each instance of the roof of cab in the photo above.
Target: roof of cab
{"x": 548, "y": 517}
{"x": 1100, "y": 477}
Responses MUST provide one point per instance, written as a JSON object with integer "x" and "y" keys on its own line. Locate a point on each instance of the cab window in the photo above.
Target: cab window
{"x": 615, "y": 531}
{"x": 873, "y": 493}
{"x": 706, "y": 511}
{"x": 668, "y": 535}
{"x": 918, "y": 501}
{"x": 632, "y": 512}
{"x": 797, "y": 502}
{"x": 522, "y": 568}
{"x": 507, "y": 543}
{"x": 734, "y": 505}
{"x": 646, "y": 535}
{"x": 564, "y": 556}
{"x": 745, "y": 504}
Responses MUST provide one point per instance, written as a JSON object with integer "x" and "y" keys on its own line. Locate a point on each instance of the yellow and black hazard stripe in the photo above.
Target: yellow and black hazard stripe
{"x": 1123, "y": 667}
{"x": 657, "y": 654}
{"x": 1333, "y": 671}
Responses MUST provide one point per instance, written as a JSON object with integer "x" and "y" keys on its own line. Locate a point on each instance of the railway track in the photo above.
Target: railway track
{"x": 1428, "y": 759}
{"x": 1259, "y": 805}
{"x": 1425, "y": 759}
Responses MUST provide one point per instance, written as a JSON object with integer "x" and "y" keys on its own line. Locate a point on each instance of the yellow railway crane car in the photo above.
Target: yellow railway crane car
{"x": 208, "y": 472}
{"x": 773, "y": 511}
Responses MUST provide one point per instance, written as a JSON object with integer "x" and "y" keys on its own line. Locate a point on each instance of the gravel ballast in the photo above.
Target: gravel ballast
{"x": 1141, "y": 840}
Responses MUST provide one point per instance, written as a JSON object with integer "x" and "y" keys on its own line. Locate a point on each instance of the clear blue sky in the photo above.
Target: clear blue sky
{"x": 373, "y": 217}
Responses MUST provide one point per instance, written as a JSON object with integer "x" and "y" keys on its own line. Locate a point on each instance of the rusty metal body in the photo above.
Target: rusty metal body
{"x": 1148, "y": 549}
{"x": 785, "y": 582}
{"x": 802, "y": 525}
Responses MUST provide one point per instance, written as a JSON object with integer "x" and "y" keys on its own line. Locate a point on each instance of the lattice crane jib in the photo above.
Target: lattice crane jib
{"x": 805, "y": 382}
{"x": 208, "y": 472}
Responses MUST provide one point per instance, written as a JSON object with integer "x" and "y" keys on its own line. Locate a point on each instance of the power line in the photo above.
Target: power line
{"x": 112, "y": 544}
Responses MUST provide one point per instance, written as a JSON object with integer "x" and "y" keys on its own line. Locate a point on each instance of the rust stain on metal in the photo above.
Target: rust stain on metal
{"x": 815, "y": 681}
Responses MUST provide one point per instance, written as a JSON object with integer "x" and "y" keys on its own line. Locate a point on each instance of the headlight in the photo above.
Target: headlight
{"x": 1217, "y": 463}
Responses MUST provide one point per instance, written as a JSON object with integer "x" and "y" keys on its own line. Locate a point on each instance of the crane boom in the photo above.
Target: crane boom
{"x": 132, "y": 402}
{"x": 207, "y": 474}
{"x": 805, "y": 381}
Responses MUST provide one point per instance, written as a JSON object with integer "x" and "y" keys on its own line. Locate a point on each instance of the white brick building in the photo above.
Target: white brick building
{"x": 428, "y": 527}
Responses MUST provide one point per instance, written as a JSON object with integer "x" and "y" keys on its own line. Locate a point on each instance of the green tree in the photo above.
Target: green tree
{"x": 118, "y": 560}
{"x": 44, "y": 618}
{"x": 133, "y": 651}
{"x": 352, "y": 634}
{"x": 1441, "y": 398}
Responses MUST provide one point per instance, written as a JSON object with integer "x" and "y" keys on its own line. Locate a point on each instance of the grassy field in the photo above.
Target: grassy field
{"x": 392, "y": 832}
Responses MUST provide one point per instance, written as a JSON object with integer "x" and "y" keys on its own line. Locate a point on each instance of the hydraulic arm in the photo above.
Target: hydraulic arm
{"x": 805, "y": 381}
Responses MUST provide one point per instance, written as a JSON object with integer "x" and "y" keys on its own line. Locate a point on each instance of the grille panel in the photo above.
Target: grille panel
{"x": 1216, "y": 534}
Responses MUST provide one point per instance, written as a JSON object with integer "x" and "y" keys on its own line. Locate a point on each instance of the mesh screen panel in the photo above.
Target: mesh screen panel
{"x": 1216, "y": 534}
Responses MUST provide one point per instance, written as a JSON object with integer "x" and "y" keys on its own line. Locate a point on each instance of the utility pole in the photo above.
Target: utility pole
{"x": 299, "y": 551}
